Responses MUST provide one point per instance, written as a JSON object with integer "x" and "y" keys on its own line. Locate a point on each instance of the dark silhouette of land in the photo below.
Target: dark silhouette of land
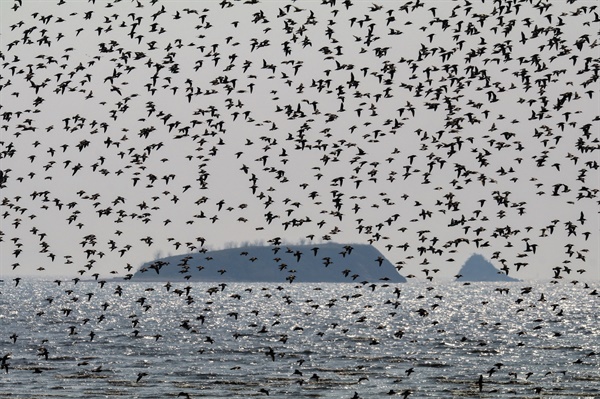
{"x": 330, "y": 262}
{"x": 477, "y": 268}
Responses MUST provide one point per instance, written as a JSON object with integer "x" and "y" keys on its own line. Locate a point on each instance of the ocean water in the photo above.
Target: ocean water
{"x": 299, "y": 340}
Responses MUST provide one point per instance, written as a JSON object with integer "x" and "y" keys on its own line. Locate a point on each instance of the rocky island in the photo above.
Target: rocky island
{"x": 329, "y": 262}
{"x": 477, "y": 268}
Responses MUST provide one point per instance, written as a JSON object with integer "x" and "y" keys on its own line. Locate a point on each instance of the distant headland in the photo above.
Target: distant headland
{"x": 328, "y": 262}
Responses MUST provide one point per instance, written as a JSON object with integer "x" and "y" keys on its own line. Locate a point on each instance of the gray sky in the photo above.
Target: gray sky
{"x": 453, "y": 127}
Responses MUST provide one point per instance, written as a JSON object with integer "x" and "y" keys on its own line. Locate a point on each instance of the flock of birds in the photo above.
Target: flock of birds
{"x": 428, "y": 129}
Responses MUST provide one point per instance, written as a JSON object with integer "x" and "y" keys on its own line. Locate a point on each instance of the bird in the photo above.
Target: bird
{"x": 235, "y": 121}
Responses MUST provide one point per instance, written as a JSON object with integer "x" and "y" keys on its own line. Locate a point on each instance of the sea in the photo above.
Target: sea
{"x": 91, "y": 339}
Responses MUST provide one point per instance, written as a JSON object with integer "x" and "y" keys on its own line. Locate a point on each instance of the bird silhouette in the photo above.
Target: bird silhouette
{"x": 236, "y": 121}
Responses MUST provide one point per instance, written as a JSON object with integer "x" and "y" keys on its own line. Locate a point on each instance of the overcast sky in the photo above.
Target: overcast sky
{"x": 431, "y": 129}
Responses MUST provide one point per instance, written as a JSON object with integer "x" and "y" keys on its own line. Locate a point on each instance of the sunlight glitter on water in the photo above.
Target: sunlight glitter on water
{"x": 354, "y": 343}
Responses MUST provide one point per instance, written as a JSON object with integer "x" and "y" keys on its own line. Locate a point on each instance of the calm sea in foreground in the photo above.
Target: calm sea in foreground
{"x": 299, "y": 340}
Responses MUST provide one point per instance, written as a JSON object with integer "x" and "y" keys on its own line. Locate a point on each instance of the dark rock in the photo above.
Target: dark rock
{"x": 477, "y": 268}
